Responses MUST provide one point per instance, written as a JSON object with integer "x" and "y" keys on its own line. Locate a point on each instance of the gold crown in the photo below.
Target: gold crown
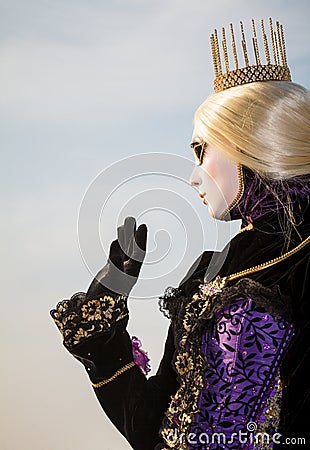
{"x": 276, "y": 70}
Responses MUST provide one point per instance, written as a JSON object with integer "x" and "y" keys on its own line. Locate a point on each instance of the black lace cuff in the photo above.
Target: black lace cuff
{"x": 79, "y": 319}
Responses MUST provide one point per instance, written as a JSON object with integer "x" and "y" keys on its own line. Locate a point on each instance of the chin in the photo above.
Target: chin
{"x": 212, "y": 213}
{"x": 215, "y": 214}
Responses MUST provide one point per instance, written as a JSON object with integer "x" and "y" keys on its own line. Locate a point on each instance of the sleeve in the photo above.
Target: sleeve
{"x": 94, "y": 332}
{"x": 297, "y": 361}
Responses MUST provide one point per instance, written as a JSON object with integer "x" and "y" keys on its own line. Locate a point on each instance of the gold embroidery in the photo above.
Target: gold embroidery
{"x": 183, "y": 405}
{"x": 184, "y": 363}
{"x": 270, "y": 424}
{"x": 79, "y": 321}
{"x": 91, "y": 310}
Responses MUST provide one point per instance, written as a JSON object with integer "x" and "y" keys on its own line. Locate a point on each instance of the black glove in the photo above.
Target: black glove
{"x": 104, "y": 305}
{"x": 126, "y": 256}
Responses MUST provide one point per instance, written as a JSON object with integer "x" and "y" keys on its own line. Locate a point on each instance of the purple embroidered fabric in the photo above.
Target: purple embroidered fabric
{"x": 243, "y": 349}
{"x": 140, "y": 356}
{"x": 262, "y": 197}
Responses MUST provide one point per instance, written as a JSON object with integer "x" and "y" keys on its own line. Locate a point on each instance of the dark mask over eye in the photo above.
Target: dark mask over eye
{"x": 199, "y": 149}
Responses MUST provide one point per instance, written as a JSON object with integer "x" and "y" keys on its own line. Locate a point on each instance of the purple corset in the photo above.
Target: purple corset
{"x": 241, "y": 394}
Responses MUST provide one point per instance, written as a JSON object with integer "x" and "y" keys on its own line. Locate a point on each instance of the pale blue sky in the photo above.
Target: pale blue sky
{"x": 84, "y": 85}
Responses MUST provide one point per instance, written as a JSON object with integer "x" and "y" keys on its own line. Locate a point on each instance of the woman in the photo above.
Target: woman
{"x": 233, "y": 370}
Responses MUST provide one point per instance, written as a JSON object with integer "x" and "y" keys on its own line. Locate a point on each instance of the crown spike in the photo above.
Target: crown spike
{"x": 277, "y": 48}
{"x": 273, "y": 42}
{"x": 214, "y": 57}
{"x": 243, "y": 42}
{"x": 255, "y": 45}
{"x": 224, "y": 44}
{"x": 283, "y": 45}
{"x": 280, "y": 42}
{"x": 276, "y": 70}
{"x": 217, "y": 51}
{"x": 265, "y": 42}
{"x": 233, "y": 43}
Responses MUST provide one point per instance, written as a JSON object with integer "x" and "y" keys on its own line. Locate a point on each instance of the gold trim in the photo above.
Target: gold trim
{"x": 115, "y": 375}
{"x": 218, "y": 283}
{"x": 237, "y": 199}
{"x": 248, "y": 227}
{"x": 269, "y": 263}
{"x": 251, "y": 74}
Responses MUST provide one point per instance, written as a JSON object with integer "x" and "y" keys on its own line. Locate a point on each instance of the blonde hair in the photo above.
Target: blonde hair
{"x": 264, "y": 126}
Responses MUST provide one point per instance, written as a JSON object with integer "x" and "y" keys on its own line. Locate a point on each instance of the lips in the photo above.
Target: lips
{"x": 204, "y": 201}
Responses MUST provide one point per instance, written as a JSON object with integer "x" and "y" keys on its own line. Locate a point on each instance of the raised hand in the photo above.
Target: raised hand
{"x": 126, "y": 256}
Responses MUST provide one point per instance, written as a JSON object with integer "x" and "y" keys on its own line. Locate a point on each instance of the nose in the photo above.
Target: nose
{"x": 195, "y": 179}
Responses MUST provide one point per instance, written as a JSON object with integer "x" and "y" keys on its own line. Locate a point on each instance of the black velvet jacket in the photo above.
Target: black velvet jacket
{"x": 137, "y": 405}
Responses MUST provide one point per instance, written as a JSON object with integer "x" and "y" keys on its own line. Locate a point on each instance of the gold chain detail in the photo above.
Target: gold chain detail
{"x": 115, "y": 375}
{"x": 270, "y": 263}
{"x": 207, "y": 290}
{"x": 239, "y": 193}
{"x": 249, "y": 227}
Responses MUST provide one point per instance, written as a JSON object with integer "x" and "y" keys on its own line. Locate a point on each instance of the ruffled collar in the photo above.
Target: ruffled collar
{"x": 262, "y": 198}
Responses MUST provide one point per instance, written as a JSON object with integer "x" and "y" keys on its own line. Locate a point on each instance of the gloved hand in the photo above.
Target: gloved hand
{"x": 104, "y": 305}
{"x": 126, "y": 256}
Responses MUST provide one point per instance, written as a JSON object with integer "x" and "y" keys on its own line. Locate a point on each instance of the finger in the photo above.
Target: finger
{"x": 121, "y": 237}
{"x": 140, "y": 240}
{"x": 116, "y": 255}
{"x": 129, "y": 230}
{"x": 141, "y": 236}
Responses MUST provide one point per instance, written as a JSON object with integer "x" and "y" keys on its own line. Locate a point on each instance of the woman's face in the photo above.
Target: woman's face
{"x": 216, "y": 178}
